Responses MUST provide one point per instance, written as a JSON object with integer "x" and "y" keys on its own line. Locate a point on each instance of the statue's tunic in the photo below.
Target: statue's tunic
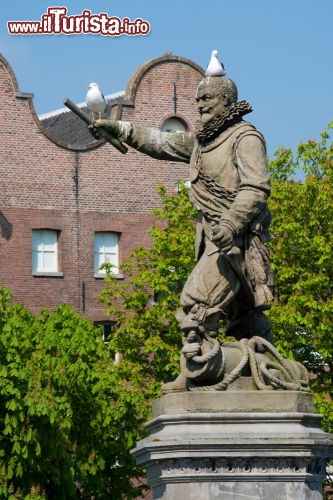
{"x": 229, "y": 186}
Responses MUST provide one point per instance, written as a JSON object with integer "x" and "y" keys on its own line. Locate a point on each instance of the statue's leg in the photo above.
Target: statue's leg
{"x": 245, "y": 320}
{"x": 212, "y": 284}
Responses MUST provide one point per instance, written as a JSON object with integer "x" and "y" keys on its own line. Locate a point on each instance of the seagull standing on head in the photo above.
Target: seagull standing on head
{"x": 215, "y": 67}
{"x": 95, "y": 100}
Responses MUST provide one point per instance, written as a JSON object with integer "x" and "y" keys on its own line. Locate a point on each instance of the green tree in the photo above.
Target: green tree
{"x": 68, "y": 415}
{"x": 302, "y": 260}
{"x": 144, "y": 306}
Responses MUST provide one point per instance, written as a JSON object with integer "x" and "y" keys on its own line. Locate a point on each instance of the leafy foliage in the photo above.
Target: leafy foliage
{"x": 144, "y": 306}
{"x": 68, "y": 416}
{"x": 302, "y": 259}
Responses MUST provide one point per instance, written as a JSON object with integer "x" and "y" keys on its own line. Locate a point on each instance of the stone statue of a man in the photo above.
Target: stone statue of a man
{"x": 229, "y": 187}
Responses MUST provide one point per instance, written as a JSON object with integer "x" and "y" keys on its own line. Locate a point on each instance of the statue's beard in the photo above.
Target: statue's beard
{"x": 202, "y": 122}
{"x": 208, "y": 130}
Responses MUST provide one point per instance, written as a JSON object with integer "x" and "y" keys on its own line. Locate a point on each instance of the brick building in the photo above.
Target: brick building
{"x": 68, "y": 202}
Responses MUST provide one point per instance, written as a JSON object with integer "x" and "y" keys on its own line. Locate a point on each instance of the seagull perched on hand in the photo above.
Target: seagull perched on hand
{"x": 95, "y": 100}
{"x": 215, "y": 67}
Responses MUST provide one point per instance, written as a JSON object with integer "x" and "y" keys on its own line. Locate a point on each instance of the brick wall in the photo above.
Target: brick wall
{"x": 46, "y": 185}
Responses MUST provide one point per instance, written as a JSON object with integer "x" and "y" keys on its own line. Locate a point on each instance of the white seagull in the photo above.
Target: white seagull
{"x": 95, "y": 100}
{"x": 215, "y": 67}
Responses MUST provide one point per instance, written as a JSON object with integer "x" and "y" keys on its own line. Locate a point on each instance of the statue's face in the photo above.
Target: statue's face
{"x": 209, "y": 100}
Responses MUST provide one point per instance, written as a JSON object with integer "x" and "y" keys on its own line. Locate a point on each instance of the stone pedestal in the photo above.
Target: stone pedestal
{"x": 235, "y": 445}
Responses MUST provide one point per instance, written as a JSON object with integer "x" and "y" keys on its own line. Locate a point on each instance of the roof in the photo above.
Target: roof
{"x": 65, "y": 128}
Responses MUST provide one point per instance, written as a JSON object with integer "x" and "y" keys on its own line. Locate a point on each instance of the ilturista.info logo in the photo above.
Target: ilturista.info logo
{"x": 56, "y": 22}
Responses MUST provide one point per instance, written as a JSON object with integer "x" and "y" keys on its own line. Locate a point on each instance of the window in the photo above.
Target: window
{"x": 181, "y": 183}
{"x": 174, "y": 125}
{"x": 108, "y": 328}
{"x": 44, "y": 251}
{"x": 106, "y": 250}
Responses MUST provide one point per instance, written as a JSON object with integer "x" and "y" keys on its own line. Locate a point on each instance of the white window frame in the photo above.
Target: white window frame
{"x": 45, "y": 252}
{"x": 106, "y": 250}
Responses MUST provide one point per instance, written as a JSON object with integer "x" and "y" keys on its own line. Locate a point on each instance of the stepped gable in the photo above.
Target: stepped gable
{"x": 66, "y": 129}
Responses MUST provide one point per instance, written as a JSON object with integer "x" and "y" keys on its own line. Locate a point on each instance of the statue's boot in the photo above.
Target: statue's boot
{"x": 177, "y": 385}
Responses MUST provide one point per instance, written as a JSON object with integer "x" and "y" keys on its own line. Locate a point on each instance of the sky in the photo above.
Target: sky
{"x": 279, "y": 53}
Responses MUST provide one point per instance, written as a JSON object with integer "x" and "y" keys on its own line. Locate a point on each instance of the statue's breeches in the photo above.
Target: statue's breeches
{"x": 211, "y": 286}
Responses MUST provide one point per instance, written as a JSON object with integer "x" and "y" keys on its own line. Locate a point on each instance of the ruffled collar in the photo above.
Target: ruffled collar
{"x": 220, "y": 123}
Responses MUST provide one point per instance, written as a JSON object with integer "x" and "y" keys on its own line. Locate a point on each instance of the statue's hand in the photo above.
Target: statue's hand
{"x": 118, "y": 129}
{"x": 223, "y": 238}
{"x": 111, "y": 126}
